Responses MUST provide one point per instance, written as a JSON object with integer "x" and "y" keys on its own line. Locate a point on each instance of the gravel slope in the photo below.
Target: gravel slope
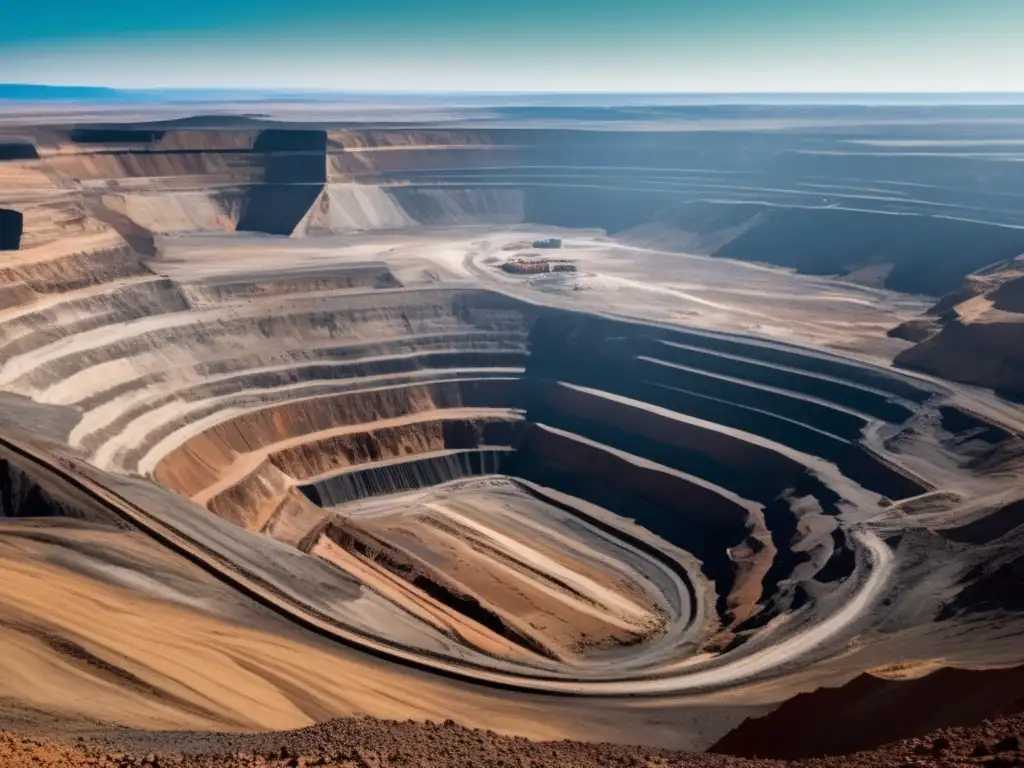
{"x": 369, "y": 743}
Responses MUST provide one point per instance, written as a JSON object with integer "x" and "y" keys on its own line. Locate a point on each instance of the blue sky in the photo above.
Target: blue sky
{"x": 560, "y": 45}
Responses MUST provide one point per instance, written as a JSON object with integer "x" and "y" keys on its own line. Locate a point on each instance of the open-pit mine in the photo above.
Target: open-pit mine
{"x": 627, "y": 434}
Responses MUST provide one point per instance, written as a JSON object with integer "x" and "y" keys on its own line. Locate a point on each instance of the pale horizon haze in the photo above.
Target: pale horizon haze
{"x": 551, "y": 45}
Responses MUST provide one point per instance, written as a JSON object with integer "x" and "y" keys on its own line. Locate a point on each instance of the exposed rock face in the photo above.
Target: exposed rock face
{"x": 294, "y": 174}
{"x": 976, "y": 333}
{"x": 986, "y": 354}
{"x": 746, "y": 196}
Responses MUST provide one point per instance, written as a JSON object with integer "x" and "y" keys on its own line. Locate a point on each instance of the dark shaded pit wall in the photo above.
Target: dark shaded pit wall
{"x": 11, "y": 223}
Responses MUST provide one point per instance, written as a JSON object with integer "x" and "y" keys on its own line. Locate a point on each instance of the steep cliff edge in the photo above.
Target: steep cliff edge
{"x": 974, "y": 335}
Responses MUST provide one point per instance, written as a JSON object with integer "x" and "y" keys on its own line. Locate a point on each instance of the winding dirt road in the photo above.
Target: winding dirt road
{"x": 761, "y": 662}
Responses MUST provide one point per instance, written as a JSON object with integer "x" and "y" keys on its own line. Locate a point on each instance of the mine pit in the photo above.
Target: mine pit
{"x": 312, "y": 365}
{"x": 414, "y": 438}
{"x": 595, "y": 410}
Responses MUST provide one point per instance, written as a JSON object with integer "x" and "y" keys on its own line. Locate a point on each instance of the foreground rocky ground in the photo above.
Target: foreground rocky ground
{"x": 370, "y": 743}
